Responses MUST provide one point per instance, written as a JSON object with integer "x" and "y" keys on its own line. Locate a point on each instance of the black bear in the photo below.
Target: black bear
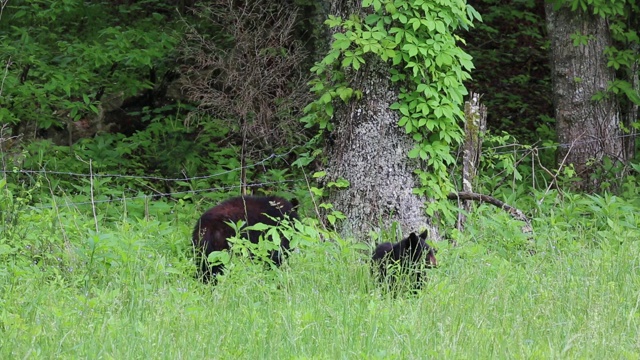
{"x": 406, "y": 254}
{"x": 212, "y": 231}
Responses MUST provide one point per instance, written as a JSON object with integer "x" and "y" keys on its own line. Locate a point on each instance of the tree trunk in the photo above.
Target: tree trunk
{"x": 588, "y": 130}
{"x": 630, "y": 111}
{"x": 475, "y": 125}
{"x": 370, "y": 150}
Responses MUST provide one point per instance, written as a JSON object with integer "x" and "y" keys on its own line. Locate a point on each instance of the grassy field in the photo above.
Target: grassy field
{"x": 126, "y": 291}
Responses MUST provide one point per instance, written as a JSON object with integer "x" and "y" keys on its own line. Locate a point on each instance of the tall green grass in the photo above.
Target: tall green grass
{"x": 127, "y": 292}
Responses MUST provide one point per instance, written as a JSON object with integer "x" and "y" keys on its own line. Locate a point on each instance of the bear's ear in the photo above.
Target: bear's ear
{"x": 413, "y": 239}
{"x": 424, "y": 235}
{"x": 294, "y": 203}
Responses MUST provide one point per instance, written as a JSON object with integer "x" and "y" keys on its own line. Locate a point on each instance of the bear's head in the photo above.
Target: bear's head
{"x": 416, "y": 247}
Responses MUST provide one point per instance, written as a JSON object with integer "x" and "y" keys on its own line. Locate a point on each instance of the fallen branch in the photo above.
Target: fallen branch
{"x": 514, "y": 212}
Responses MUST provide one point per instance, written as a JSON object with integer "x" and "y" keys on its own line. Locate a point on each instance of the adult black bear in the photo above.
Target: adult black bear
{"x": 406, "y": 255}
{"x": 212, "y": 231}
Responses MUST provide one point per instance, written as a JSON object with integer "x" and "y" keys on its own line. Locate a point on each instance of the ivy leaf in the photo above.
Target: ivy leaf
{"x": 347, "y": 61}
{"x": 411, "y": 49}
{"x": 325, "y": 98}
{"x": 390, "y": 8}
{"x": 408, "y": 127}
{"x": 414, "y": 153}
{"x": 357, "y": 61}
{"x": 341, "y": 44}
{"x": 328, "y": 109}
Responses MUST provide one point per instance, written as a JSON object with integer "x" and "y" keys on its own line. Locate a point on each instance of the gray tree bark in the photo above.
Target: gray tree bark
{"x": 370, "y": 150}
{"x": 475, "y": 125}
{"x": 587, "y": 130}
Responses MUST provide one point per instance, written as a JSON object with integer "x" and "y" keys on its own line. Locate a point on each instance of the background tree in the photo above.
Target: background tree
{"x": 245, "y": 68}
{"x": 588, "y": 115}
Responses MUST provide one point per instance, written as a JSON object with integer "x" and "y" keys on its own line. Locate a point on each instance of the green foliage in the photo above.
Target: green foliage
{"x": 65, "y": 58}
{"x": 515, "y": 85}
{"x": 269, "y": 241}
{"x": 63, "y": 55}
{"x": 333, "y": 216}
{"x": 417, "y": 40}
{"x": 497, "y": 162}
{"x": 170, "y": 157}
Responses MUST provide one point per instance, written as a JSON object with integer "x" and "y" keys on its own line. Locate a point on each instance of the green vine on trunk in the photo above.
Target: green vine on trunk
{"x": 417, "y": 39}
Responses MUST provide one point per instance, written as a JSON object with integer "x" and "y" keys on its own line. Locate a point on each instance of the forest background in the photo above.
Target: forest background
{"x": 123, "y": 120}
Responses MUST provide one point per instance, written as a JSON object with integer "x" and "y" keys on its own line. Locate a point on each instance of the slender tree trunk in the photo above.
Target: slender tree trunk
{"x": 588, "y": 130}
{"x": 369, "y": 150}
{"x": 475, "y": 125}
{"x": 630, "y": 111}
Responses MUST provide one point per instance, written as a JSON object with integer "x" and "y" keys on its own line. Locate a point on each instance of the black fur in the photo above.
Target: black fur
{"x": 212, "y": 231}
{"x": 406, "y": 253}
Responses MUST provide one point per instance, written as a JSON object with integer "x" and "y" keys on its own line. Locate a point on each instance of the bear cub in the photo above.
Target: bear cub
{"x": 212, "y": 231}
{"x": 406, "y": 254}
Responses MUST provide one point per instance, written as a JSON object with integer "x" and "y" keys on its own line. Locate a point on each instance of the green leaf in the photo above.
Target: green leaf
{"x": 378, "y": 35}
{"x": 431, "y": 25}
{"x": 411, "y": 49}
{"x": 325, "y": 98}
{"x": 404, "y": 109}
{"x": 390, "y": 8}
{"x": 347, "y": 61}
{"x": 219, "y": 258}
{"x": 415, "y": 23}
{"x": 357, "y": 61}
{"x": 414, "y": 153}
{"x": 342, "y": 183}
{"x": 408, "y": 127}
{"x": 328, "y": 109}
{"x": 259, "y": 227}
{"x": 342, "y": 44}
{"x": 372, "y": 19}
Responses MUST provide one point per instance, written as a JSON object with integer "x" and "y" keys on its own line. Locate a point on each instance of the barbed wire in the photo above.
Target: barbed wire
{"x": 527, "y": 148}
{"x": 523, "y": 149}
{"x": 44, "y": 172}
{"x": 139, "y": 197}
{"x": 146, "y": 177}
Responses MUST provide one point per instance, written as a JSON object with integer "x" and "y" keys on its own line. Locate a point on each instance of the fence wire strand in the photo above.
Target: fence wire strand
{"x": 47, "y": 173}
{"x": 496, "y": 150}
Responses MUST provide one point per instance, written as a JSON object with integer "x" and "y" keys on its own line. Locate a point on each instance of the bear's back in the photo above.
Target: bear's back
{"x": 212, "y": 229}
